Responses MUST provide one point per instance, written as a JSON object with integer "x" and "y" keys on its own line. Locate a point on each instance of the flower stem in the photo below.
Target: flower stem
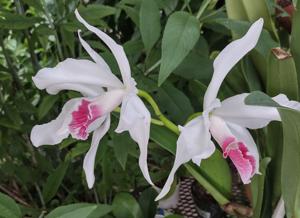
{"x": 167, "y": 123}
{"x": 202, "y": 8}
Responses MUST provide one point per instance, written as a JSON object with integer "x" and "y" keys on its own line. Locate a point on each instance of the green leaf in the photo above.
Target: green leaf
{"x": 295, "y": 45}
{"x": 8, "y": 207}
{"x": 261, "y": 99}
{"x": 290, "y": 175}
{"x": 148, "y": 203}
{"x": 80, "y": 148}
{"x": 217, "y": 172}
{"x": 54, "y": 181}
{"x": 164, "y": 137}
{"x": 149, "y": 23}
{"x": 125, "y": 206}
{"x": 282, "y": 75}
{"x": 174, "y": 216}
{"x": 236, "y": 10}
{"x": 80, "y": 210}
{"x": 46, "y": 105}
{"x": 96, "y": 11}
{"x": 197, "y": 64}
{"x": 257, "y": 187}
{"x": 174, "y": 102}
{"x": 16, "y": 21}
{"x": 251, "y": 75}
{"x": 181, "y": 33}
{"x": 122, "y": 145}
{"x": 256, "y": 9}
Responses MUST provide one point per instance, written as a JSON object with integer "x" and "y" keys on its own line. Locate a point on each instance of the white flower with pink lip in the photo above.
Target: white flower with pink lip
{"x": 226, "y": 121}
{"x": 91, "y": 113}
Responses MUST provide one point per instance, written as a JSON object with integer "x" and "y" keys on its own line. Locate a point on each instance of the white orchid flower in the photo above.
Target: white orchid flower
{"x": 225, "y": 121}
{"x": 91, "y": 113}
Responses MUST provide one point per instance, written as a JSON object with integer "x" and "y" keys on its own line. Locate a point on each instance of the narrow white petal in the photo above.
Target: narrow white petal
{"x": 136, "y": 119}
{"x": 89, "y": 159}
{"x": 84, "y": 75}
{"x": 235, "y": 110}
{"x": 284, "y": 101}
{"x": 228, "y": 57}
{"x": 193, "y": 144}
{"x": 55, "y": 131}
{"x": 115, "y": 48}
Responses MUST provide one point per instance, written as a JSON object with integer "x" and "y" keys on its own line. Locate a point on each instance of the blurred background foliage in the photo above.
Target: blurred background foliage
{"x": 171, "y": 45}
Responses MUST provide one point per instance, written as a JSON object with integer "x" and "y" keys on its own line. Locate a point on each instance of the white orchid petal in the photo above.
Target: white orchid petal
{"x": 235, "y": 110}
{"x": 89, "y": 159}
{"x": 236, "y": 143}
{"x": 228, "y": 57}
{"x": 284, "y": 101}
{"x": 136, "y": 119}
{"x": 56, "y": 130}
{"x": 193, "y": 144}
{"x": 83, "y": 73}
{"x": 115, "y": 48}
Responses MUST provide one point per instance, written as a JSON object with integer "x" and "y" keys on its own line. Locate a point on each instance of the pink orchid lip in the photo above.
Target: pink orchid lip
{"x": 82, "y": 118}
{"x": 239, "y": 155}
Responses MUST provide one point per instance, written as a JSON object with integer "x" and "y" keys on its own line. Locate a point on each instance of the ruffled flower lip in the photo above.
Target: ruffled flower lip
{"x": 239, "y": 155}
{"x": 82, "y": 118}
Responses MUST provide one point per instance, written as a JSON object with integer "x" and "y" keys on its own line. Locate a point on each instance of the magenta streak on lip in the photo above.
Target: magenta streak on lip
{"x": 238, "y": 153}
{"x": 82, "y": 118}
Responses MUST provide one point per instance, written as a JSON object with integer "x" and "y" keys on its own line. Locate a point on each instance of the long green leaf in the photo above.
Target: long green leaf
{"x": 125, "y": 206}
{"x": 8, "y": 207}
{"x": 282, "y": 75}
{"x": 54, "y": 181}
{"x": 295, "y": 36}
{"x": 181, "y": 33}
{"x": 290, "y": 174}
{"x": 149, "y": 23}
{"x": 80, "y": 210}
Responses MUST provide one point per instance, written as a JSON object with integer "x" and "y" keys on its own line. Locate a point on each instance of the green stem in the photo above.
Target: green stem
{"x": 218, "y": 196}
{"x": 153, "y": 67}
{"x": 202, "y": 8}
{"x": 170, "y": 125}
